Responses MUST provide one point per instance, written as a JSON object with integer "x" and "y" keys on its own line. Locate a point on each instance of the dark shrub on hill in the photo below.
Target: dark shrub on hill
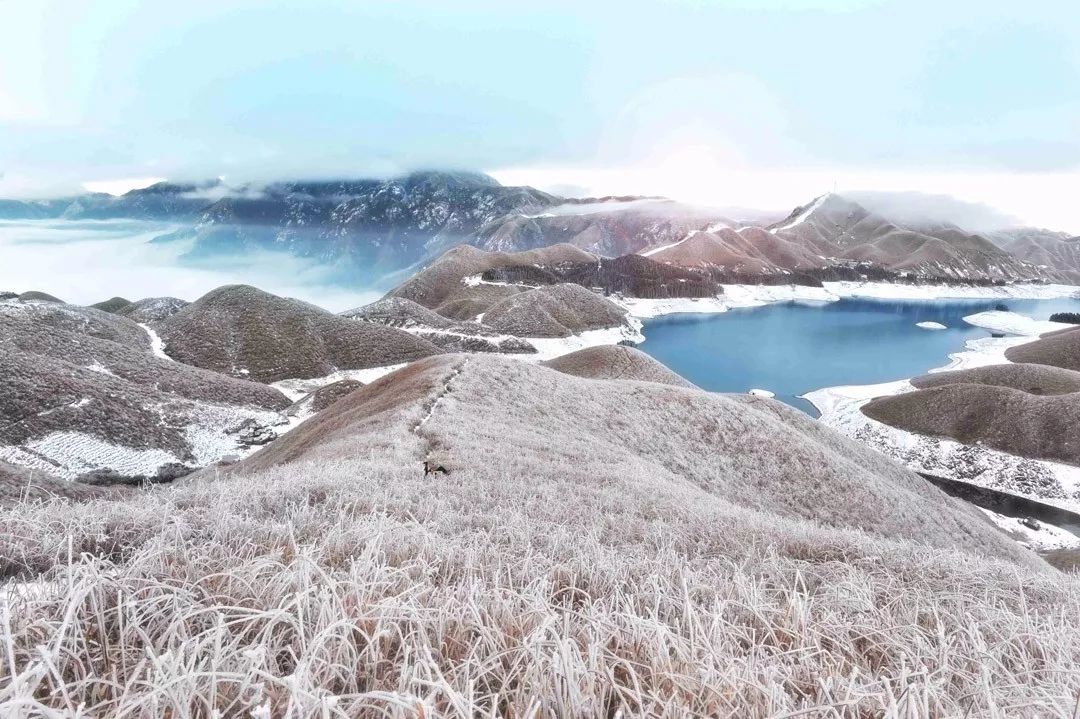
{"x": 1070, "y": 317}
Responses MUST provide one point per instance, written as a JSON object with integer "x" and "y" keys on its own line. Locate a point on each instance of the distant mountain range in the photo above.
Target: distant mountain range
{"x": 375, "y": 229}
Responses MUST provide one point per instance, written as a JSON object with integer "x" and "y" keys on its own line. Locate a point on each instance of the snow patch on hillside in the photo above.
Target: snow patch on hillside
{"x": 296, "y": 389}
{"x": 68, "y": 454}
{"x": 982, "y": 352}
{"x": 157, "y": 345}
{"x": 931, "y": 325}
{"x": 552, "y": 347}
{"x": 661, "y": 248}
{"x": 646, "y": 309}
{"x": 474, "y": 280}
{"x": 756, "y": 295}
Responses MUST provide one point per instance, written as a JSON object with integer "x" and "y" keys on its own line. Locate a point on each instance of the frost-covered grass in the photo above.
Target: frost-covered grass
{"x": 534, "y": 580}
{"x": 325, "y": 594}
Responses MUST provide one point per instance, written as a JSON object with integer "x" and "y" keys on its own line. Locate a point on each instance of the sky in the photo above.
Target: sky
{"x": 754, "y": 103}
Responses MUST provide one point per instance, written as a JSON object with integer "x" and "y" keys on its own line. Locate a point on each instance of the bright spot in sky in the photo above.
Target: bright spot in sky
{"x": 119, "y": 187}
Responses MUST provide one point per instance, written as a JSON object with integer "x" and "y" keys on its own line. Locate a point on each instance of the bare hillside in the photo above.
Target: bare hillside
{"x": 244, "y": 332}
{"x": 608, "y": 227}
{"x": 838, "y": 227}
{"x": 1057, "y": 250}
{"x": 598, "y": 547}
{"x": 716, "y": 443}
{"x": 152, "y": 309}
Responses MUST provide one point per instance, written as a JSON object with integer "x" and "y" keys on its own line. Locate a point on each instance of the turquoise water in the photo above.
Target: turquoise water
{"x": 792, "y": 348}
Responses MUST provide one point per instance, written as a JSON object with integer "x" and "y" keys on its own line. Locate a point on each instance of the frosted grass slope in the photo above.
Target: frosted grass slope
{"x": 536, "y": 579}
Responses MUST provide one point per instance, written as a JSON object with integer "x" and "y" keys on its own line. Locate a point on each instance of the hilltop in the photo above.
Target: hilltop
{"x": 244, "y": 332}
{"x": 443, "y": 287}
{"x": 615, "y": 362}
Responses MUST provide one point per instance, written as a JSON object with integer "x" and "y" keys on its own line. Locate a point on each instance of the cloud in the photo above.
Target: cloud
{"x": 918, "y": 207}
{"x": 77, "y": 262}
{"x": 120, "y": 186}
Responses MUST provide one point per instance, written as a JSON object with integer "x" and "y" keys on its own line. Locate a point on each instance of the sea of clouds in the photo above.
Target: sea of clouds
{"x": 83, "y": 262}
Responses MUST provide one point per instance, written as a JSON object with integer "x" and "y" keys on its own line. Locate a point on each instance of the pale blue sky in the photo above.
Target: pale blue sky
{"x": 841, "y": 88}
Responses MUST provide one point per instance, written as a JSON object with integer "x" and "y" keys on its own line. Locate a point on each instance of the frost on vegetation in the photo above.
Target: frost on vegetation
{"x": 534, "y": 580}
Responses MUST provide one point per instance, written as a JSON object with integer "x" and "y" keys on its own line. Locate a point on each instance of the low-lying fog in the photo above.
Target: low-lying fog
{"x": 83, "y": 262}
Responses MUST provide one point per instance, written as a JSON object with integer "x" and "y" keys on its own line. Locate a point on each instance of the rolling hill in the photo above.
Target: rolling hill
{"x": 244, "y": 332}
{"x": 82, "y": 391}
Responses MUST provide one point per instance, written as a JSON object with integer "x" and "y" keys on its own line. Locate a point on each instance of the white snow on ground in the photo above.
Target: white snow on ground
{"x": 733, "y": 297}
{"x": 474, "y": 280}
{"x": 552, "y": 347}
{"x": 157, "y": 345}
{"x": 1042, "y": 539}
{"x": 295, "y": 389}
{"x": 931, "y": 325}
{"x": 1049, "y": 482}
{"x": 645, "y": 309}
{"x": 736, "y": 296}
{"x": 98, "y": 367}
{"x": 761, "y": 393}
{"x": 1013, "y": 323}
{"x": 755, "y": 295}
{"x": 802, "y": 216}
{"x": 12, "y": 592}
{"x": 895, "y": 291}
{"x": 982, "y": 352}
{"x": 209, "y": 433}
{"x": 69, "y": 454}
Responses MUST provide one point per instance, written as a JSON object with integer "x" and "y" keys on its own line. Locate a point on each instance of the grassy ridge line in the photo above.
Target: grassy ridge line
{"x": 344, "y": 584}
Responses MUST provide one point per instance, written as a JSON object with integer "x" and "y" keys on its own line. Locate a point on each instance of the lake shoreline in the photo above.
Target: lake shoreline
{"x": 840, "y": 408}
{"x": 745, "y": 296}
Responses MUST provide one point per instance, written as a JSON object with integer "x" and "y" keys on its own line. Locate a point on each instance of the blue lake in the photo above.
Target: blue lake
{"x": 793, "y": 348}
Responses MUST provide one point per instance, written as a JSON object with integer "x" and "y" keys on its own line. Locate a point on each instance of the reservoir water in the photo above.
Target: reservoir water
{"x": 793, "y": 348}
